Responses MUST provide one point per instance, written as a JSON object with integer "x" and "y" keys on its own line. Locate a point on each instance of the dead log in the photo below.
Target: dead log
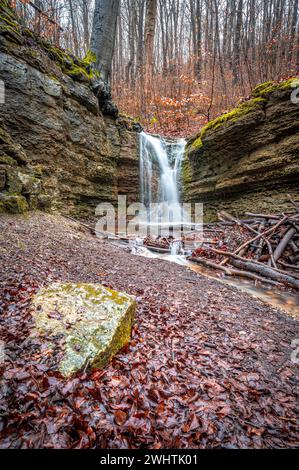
{"x": 284, "y": 243}
{"x": 232, "y": 272}
{"x": 245, "y": 260}
{"x": 266, "y": 272}
{"x": 261, "y": 242}
{"x": 294, "y": 247}
{"x": 269, "y": 232}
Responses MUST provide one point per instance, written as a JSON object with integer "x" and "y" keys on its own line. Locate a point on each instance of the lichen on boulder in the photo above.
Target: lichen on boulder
{"x": 94, "y": 322}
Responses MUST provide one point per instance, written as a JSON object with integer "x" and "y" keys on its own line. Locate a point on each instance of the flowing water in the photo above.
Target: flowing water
{"x": 160, "y": 172}
{"x": 282, "y": 300}
{"x": 160, "y": 175}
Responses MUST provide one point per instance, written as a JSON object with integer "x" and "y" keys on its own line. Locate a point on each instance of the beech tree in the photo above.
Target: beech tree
{"x": 103, "y": 34}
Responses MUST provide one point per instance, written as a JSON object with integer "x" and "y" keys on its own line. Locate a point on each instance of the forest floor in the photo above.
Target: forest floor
{"x": 208, "y": 366}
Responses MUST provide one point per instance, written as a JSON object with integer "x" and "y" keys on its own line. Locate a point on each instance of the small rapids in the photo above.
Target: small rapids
{"x": 176, "y": 248}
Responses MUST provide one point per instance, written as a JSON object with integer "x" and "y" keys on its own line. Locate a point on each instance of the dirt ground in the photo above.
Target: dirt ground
{"x": 208, "y": 366}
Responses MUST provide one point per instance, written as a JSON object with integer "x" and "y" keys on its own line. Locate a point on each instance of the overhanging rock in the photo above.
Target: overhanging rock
{"x": 94, "y": 321}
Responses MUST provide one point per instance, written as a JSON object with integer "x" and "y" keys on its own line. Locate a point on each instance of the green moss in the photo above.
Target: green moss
{"x": 89, "y": 59}
{"x": 14, "y": 204}
{"x": 79, "y": 69}
{"x": 267, "y": 88}
{"x": 8, "y": 23}
{"x": 186, "y": 171}
{"x": 260, "y": 88}
{"x": 28, "y": 33}
{"x": 234, "y": 115}
{"x": 73, "y": 67}
{"x": 6, "y": 160}
{"x": 13, "y": 33}
{"x": 196, "y": 144}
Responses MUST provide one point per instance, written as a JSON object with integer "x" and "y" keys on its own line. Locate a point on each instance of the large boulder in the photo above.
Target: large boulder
{"x": 94, "y": 322}
{"x": 247, "y": 159}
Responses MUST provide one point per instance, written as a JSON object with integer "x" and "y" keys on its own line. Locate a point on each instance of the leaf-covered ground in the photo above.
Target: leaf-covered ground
{"x": 207, "y": 367}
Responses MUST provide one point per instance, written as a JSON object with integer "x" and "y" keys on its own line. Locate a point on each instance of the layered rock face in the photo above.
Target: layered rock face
{"x": 247, "y": 160}
{"x": 59, "y": 147}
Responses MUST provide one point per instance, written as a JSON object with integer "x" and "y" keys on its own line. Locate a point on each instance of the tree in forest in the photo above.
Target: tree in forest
{"x": 177, "y": 63}
{"x": 103, "y": 35}
{"x": 150, "y": 28}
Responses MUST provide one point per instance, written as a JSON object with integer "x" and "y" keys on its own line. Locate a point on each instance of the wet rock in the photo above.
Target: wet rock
{"x": 95, "y": 322}
{"x": 247, "y": 159}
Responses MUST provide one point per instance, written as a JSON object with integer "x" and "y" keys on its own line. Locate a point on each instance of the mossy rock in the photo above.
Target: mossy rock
{"x": 266, "y": 89}
{"x": 196, "y": 143}
{"x": 95, "y": 322}
{"x": 7, "y": 160}
{"x": 9, "y": 26}
{"x": 78, "y": 69}
{"x": 260, "y": 96}
{"x": 82, "y": 70}
{"x": 236, "y": 114}
{"x": 13, "y": 204}
{"x": 186, "y": 173}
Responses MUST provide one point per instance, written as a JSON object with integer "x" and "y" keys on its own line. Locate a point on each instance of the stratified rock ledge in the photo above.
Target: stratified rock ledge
{"x": 94, "y": 322}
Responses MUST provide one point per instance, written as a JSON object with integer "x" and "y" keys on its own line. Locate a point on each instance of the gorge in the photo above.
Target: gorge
{"x": 62, "y": 150}
{"x": 183, "y": 338}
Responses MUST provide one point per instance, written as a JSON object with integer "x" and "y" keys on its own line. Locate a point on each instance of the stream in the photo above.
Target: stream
{"x": 160, "y": 181}
{"x": 285, "y": 301}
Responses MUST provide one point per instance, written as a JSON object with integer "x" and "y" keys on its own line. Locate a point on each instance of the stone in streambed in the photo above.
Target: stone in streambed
{"x": 94, "y": 321}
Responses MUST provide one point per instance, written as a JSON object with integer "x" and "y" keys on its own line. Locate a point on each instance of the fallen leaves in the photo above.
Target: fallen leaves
{"x": 120, "y": 417}
{"x": 188, "y": 379}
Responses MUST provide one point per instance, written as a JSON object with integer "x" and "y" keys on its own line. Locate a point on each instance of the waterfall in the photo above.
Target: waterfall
{"x": 165, "y": 158}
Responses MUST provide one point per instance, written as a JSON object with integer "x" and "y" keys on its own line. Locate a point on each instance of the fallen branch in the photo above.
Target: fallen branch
{"x": 295, "y": 204}
{"x": 270, "y": 231}
{"x": 263, "y": 216}
{"x": 288, "y": 266}
{"x": 284, "y": 243}
{"x": 232, "y": 272}
{"x": 266, "y": 272}
{"x": 245, "y": 260}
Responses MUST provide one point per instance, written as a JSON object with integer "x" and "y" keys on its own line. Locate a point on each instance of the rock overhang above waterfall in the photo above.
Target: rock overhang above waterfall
{"x": 94, "y": 323}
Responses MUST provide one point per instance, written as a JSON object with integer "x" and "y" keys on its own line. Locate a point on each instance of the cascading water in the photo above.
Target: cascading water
{"x": 161, "y": 159}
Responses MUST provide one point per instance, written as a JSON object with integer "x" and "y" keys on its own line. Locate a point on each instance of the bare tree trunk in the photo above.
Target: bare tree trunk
{"x": 103, "y": 34}
{"x": 74, "y": 28}
{"x": 237, "y": 46}
{"x": 150, "y": 28}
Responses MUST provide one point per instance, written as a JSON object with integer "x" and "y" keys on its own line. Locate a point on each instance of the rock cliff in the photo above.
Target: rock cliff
{"x": 62, "y": 144}
{"x": 247, "y": 159}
